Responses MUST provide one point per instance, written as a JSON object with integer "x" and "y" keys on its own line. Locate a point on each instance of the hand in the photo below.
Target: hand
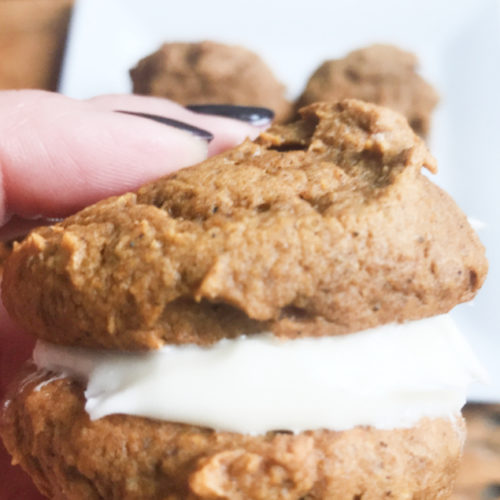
{"x": 58, "y": 155}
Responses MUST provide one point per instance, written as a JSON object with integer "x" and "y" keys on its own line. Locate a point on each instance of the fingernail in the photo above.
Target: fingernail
{"x": 199, "y": 132}
{"x": 250, "y": 114}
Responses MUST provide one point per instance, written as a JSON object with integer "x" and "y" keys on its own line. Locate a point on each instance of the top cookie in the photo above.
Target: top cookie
{"x": 210, "y": 73}
{"x": 382, "y": 74}
{"x": 325, "y": 226}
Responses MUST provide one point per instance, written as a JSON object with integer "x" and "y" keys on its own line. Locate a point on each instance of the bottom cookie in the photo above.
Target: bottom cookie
{"x": 45, "y": 427}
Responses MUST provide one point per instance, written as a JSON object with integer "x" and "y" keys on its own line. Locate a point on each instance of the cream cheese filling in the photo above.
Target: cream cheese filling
{"x": 386, "y": 377}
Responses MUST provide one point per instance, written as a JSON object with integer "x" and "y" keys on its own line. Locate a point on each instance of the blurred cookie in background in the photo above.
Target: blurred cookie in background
{"x": 210, "y": 73}
{"x": 383, "y": 74}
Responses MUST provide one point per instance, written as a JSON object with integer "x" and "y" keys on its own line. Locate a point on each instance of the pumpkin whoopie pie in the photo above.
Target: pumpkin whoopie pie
{"x": 268, "y": 324}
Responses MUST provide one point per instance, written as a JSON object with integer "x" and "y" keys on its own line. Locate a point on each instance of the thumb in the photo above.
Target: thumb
{"x": 58, "y": 154}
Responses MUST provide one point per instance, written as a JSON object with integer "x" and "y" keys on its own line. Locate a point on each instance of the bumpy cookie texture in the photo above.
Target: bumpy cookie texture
{"x": 382, "y": 74}
{"x": 47, "y": 430}
{"x": 210, "y": 73}
{"x": 326, "y": 226}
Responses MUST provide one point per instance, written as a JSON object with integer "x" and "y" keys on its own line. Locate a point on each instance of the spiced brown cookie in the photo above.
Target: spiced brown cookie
{"x": 210, "y": 73}
{"x": 48, "y": 432}
{"x": 326, "y": 226}
{"x": 382, "y": 74}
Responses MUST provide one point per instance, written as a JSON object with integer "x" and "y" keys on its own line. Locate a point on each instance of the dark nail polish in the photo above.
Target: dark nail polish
{"x": 491, "y": 492}
{"x": 199, "y": 132}
{"x": 253, "y": 115}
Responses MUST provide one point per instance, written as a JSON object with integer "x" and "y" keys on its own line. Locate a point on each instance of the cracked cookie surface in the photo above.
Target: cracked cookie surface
{"x": 325, "y": 226}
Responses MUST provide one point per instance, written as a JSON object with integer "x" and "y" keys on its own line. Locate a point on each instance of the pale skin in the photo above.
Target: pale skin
{"x": 58, "y": 155}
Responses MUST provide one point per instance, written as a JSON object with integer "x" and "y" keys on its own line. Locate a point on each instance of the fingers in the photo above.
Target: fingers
{"x": 58, "y": 155}
{"x": 227, "y": 132}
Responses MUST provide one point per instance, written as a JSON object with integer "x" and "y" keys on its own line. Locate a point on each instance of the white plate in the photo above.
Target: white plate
{"x": 458, "y": 43}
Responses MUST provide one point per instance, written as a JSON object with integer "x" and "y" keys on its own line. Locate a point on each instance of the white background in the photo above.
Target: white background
{"x": 458, "y": 43}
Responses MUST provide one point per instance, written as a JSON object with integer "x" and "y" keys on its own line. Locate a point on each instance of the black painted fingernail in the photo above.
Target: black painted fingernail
{"x": 253, "y": 115}
{"x": 199, "y": 132}
{"x": 491, "y": 492}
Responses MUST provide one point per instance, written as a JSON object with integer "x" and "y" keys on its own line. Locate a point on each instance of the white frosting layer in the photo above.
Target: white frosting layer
{"x": 386, "y": 377}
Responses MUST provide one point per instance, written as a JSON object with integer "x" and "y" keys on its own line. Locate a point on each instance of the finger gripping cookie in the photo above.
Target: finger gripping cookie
{"x": 324, "y": 226}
